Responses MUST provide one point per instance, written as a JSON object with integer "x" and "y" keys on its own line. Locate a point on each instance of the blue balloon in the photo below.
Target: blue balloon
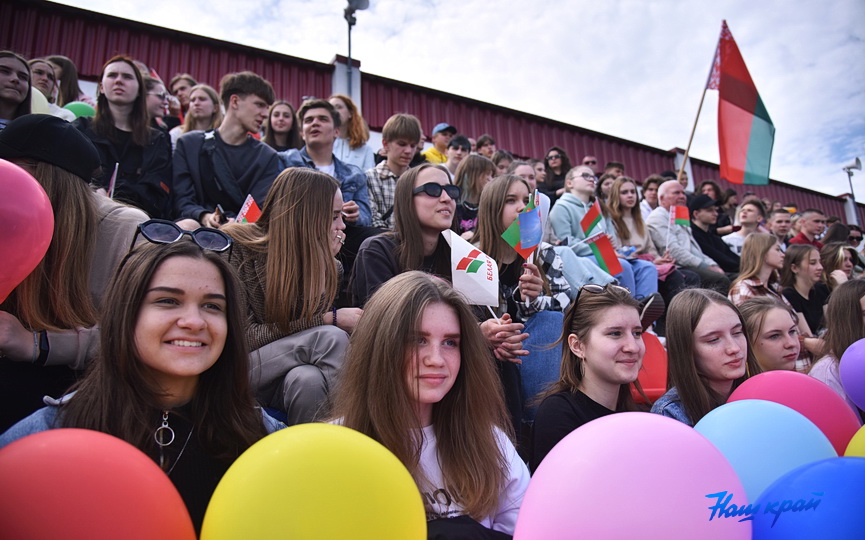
{"x": 763, "y": 441}
{"x": 819, "y": 500}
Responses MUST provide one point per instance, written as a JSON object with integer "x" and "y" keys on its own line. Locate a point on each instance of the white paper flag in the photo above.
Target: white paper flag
{"x": 473, "y": 272}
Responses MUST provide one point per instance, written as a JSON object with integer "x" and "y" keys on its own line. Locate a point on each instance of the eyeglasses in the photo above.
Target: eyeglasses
{"x": 597, "y": 289}
{"x": 161, "y": 95}
{"x": 590, "y": 162}
{"x": 588, "y": 176}
{"x": 554, "y": 156}
{"x": 435, "y": 190}
{"x": 160, "y": 231}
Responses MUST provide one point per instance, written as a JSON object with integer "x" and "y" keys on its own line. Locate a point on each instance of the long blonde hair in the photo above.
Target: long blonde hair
{"x": 374, "y": 397}
{"x": 216, "y": 118}
{"x": 757, "y": 245}
{"x": 294, "y": 234}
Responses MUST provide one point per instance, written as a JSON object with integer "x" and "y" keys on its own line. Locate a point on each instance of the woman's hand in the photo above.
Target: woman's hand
{"x": 347, "y": 318}
{"x": 838, "y": 277}
{"x": 16, "y": 342}
{"x": 531, "y": 285}
{"x": 505, "y": 338}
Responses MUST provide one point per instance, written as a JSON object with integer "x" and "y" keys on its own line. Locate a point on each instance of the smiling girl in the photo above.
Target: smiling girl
{"x": 601, "y": 356}
{"x": 418, "y": 379}
{"x": 280, "y": 129}
{"x": 172, "y": 375}
{"x": 707, "y": 354}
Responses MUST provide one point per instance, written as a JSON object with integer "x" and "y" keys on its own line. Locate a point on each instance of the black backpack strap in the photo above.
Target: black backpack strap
{"x": 213, "y": 166}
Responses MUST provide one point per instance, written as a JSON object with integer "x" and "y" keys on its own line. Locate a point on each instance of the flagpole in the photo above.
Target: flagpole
{"x": 693, "y": 130}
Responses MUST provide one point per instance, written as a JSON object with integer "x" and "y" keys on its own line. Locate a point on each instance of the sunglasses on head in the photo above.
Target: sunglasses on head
{"x": 434, "y": 189}
{"x": 598, "y": 289}
{"x": 160, "y": 231}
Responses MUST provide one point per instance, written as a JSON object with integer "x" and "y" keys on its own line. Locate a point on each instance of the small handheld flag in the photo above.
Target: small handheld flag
{"x": 592, "y": 218}
{"x": 679, "y": 216}
{"x": 473, "y": 272}
{"x": 113, "y": 182}
{"x": 604, "y": 253}
{"x": 524, "y": 234}
{"x": 249, "y": 212}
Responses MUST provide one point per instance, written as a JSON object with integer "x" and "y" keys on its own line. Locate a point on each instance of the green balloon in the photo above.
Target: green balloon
{"x": 79, "y": 108}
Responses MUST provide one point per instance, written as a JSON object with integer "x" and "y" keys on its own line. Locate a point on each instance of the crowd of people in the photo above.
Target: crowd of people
{"x": 166, "y": 316}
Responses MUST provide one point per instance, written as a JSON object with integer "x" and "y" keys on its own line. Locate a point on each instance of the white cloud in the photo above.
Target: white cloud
{"x": 631, "y": 68}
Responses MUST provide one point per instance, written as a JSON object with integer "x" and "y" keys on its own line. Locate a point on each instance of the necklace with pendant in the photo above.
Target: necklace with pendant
{"x": 164, "y": 436}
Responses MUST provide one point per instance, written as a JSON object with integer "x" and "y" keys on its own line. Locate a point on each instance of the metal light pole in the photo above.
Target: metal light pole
{"x": 353, "y": 6}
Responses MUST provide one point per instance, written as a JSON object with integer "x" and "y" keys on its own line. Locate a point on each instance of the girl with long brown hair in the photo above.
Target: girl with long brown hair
{"x": 281, "y": 127}
{"x": 602, "y": 352}
{"x": 286, "y": 261}
{"x": 761, "y": 264}
{"x": 419, "y": 379}
{"x": 172, "y": 377}
{"x": 707, "y": 355}
{"x": 120, "y": 131}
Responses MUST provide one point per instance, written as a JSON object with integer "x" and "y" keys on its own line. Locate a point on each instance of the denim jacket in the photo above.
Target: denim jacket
{"x": 352, "y": 180}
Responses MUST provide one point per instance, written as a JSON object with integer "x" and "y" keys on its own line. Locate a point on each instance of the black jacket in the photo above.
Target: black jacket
{"x": 714, "y": 247}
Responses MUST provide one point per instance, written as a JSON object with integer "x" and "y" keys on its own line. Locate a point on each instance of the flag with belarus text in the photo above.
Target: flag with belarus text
{"x": 746, "y": 133}
{"x": 473, "y": 272}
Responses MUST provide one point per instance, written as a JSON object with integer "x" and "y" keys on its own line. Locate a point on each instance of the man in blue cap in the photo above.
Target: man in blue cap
{"x": 441, "y": 137}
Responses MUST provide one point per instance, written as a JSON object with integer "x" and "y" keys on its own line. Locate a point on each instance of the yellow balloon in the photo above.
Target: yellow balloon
{"x": 856, "y": 446}
{"x": 38, "y": 103}
{"x": 316, "y": 481}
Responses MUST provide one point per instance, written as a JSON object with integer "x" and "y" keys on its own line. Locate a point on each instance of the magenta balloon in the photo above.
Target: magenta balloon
{"x": 632, "y": 475}
{"x": 810, "y": 397}
{"x": 26, "y": 225}
{"x": 852, "y": 372}
{"x": 81, "y": 484}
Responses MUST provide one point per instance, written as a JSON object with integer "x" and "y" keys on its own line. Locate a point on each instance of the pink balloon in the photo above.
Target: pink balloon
{"x": 82, "y": 484}
{"x": 810, "y": 397}
{"x": 26, "y": 225}
{"x": 632, "y": 475}
{"x": 852, "y": 371}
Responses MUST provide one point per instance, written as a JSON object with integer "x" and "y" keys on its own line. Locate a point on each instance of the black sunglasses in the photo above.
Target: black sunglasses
{"x": 856, "y": 239}
{"x": 590, "y": 162}
{"x": 161, "y": 231}
{"x": 597, "y": 289}
{"x": 554, "y": 156}
{"x": 435, "y": 190}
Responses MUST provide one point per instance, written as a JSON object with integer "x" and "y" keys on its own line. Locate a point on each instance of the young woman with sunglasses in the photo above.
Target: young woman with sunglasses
{"x": 557, "y": 166}
{"x": 48, "y": 323}
{"x": 707, "y": 355}
{"x": 286, "y": 261}
{"x": 121, "y": 133}
{"x": 172, "y": 374}
{"x": 419, "y": 380}
{"x": 602, "y": 352}
{"x": 424, "y": 203}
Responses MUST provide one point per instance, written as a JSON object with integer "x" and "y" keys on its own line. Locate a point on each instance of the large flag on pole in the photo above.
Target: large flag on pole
{"x": 745, "y": 131}
{"x": 473, "y": 272}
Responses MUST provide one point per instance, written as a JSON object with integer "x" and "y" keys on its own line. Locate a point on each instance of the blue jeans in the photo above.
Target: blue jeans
{"x": 638, "y": 276}
{"x": 579, "y": 272}
{"x": 543, "y": 364}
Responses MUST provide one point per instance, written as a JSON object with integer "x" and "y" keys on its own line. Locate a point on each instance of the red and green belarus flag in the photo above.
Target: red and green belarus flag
{"x": 605, "y": 254}
{"x": 679, "y": 215}
{"x": 524, "y": 234}
{"x": 745, "y": 131}
{"x": 592, "y": 218}
{"x": 249, "y": 212}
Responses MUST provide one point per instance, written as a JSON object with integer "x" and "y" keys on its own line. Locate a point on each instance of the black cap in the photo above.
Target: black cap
{"x": 700, "y": 202}
{"x": 50, "y": 139}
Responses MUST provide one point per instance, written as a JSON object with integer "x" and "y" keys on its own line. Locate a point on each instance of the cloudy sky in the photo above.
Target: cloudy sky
{"x": 630, "y": 68}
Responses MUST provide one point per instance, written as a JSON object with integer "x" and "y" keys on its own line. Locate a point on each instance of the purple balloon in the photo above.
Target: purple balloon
{"x": 853, "y": 373}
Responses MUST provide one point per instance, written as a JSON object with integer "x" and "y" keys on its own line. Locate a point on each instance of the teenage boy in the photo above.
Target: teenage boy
{"x": 458, "y": 148}
{"x": 811, "y": 225}
{"x": 220, "y": 168}
{"x": 779, "y": 224}
{"x": 751, "y": 213}
{"x": 704, "y": 215}
{"x": 319, "y": 129}
{"x": 441, "y": 137}
{"x": 179, "y": 87}
{"x": 486, "y": 146}
{"x": 400, "y": 136}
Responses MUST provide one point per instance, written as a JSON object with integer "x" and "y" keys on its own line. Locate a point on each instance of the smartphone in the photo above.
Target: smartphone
{"x": 219, "y": 214}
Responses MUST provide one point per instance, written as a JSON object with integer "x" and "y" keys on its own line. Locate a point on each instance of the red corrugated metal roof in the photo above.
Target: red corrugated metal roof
{"x": 38, "y": 28}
